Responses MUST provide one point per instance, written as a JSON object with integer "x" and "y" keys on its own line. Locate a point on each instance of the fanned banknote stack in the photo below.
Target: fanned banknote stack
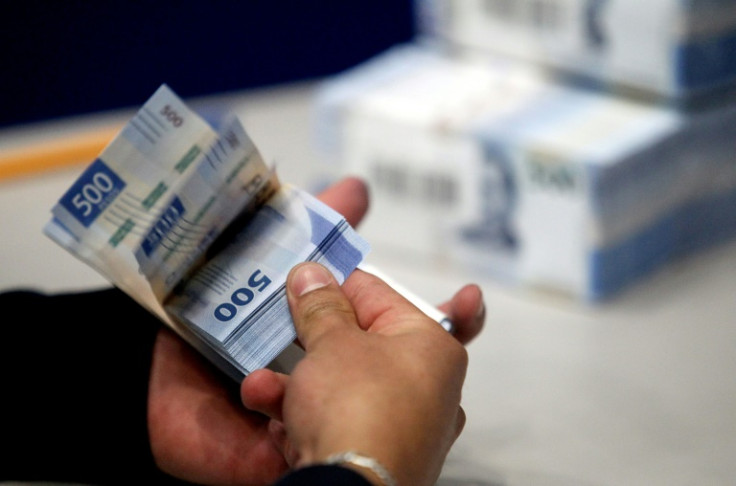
{"x": 194, "y": 226}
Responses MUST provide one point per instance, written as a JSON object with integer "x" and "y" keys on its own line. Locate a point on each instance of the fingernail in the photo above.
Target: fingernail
{"x": 309, "y": 277}
{"x": 481, "y": 312}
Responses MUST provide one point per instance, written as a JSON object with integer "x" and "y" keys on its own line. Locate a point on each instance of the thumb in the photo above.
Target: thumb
{"x": 317, "y": 303}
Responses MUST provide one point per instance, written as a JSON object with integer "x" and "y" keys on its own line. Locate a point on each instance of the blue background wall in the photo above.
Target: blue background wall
{"x": 64, "y": 58}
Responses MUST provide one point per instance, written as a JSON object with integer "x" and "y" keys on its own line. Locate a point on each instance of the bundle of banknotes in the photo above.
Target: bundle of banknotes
{"x": 492, "y": 166}
{"x": 665, "y": 48}
{"x": 195, "y": 227}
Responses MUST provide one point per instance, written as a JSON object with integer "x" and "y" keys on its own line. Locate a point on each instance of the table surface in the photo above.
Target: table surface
{"x": 639, "y": 390}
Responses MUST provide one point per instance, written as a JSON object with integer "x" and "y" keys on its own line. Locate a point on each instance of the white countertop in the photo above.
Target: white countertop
{"x": 640, "y": 390}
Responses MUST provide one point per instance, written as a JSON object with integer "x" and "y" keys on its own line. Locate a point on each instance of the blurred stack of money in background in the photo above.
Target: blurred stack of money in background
{"x": 568, "y": 145}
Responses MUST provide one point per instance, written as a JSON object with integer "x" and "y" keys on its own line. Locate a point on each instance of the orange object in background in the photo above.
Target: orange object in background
{"x": 55, "y": 152}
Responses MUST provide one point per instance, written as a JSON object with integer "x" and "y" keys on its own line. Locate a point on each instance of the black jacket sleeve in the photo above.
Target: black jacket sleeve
{"x": 75, "y": 370}
{"x": 323, "y": 476}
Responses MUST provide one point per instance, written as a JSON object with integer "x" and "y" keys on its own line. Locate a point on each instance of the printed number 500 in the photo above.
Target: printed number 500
{"x": 93, "y": 193}
{"x": 242, "y": 296}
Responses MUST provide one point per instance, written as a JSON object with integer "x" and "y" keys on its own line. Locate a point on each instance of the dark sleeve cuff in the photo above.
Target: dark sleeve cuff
{"x": 75, "y": 372}
{"x": 323, "y": 476}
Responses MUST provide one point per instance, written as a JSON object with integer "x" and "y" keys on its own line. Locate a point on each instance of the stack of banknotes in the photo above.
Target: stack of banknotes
{"x": 491, "y": 165}
{"x": 195, "y": 227}
{"x": 669, "y": 48}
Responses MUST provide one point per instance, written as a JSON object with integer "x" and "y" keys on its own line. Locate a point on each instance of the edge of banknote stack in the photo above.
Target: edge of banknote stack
{"x": 196, "y": 228}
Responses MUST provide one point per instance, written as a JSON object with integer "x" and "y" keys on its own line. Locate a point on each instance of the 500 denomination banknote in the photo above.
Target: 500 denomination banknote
{"x": 195, "y": 227}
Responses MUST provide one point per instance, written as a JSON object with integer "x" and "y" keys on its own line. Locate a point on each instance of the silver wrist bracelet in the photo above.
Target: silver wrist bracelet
{"x": 360, "y": 460}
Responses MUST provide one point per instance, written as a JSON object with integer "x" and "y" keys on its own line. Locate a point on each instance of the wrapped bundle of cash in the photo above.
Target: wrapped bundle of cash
{"x": 671, "y": 48}
{"x": 539, "y": 184}
{"x": 194, "y": 226}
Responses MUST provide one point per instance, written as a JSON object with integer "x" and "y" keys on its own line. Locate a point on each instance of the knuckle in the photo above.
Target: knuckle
{"x": 317, "y": 308}
{"x": 460, "y": 422}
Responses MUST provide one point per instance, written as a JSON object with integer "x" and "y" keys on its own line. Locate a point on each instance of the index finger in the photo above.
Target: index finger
{"x": 348, "y": 197}
{"x": 380, "y": 307}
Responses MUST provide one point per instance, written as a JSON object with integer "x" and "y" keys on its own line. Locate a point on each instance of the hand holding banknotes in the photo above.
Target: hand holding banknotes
{"x": 198, "y": 428}
{"x": 380, "y": 381}
{"x": 194, "y": 226}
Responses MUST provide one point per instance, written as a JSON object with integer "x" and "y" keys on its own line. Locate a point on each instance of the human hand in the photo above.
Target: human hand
{"x": 198, "y": 428}
{"x": 378, "y": 376}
